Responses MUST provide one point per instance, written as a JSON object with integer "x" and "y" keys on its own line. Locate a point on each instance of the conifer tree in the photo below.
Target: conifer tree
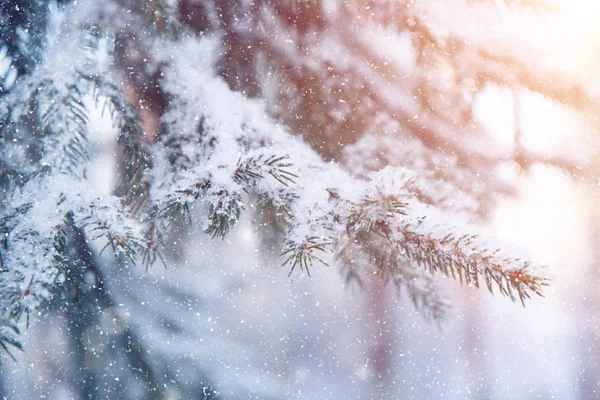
{"x": 291, "y": 110}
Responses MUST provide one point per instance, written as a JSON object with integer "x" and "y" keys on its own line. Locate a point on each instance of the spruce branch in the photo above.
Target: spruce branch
{"x": 223, "y": 192}
{"x": 65, "y": 123}
{"x": 327, "y": 203}
{"x": 419, "y": 285}
{"x": 36, "y": 240}
{"x": 392, "y": 266}
{"x": 464, "y": 258}
{"x": 8, "y": 334}
{"x": 27, "y": 281}
{"x": 131, "y": 137}
{"x": 350, "y": 258}
{"x": 423, "y": 292}
{"x": 303, "y": 254}
{"x": 381, "y": 232}
{"x": 54, "y": 121}
{"x": 155, "y": 240}
{"x": 224, "y": 211}
{"x": 106, "y": 220}
{"x": 371, "y": 210}
{"x": 365, "y": 254}
{"x": 179, "y": 203}
{"x": 253, "y": 168}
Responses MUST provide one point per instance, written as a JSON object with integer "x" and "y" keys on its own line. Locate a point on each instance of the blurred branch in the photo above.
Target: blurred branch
{"x": 89, "y": 303}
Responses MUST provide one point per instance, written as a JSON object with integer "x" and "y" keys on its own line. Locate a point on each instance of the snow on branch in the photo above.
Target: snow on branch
{"x": 44, "y": 134}
{"x": 467, "y": 258}
{"x": 131, "y": 137}
{"x": 36, "y": 235}
{"x": 325, "y": 204}
{"x": 365, "y": 254}
{"x": 220, "y": 150}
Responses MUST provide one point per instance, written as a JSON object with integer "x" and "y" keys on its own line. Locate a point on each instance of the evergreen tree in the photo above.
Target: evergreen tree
{"x": 290, "y": 110}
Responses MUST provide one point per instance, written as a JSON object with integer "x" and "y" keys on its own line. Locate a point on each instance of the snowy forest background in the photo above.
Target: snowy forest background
{"x": 159, "y": 156}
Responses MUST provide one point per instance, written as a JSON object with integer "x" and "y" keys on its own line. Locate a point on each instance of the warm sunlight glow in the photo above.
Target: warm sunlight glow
{"x": 585, "y": 11}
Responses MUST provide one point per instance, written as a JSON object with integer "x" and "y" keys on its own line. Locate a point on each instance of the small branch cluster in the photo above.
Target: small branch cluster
{"x": 463, "y": 259}
{"x": 224, "y": 211}
{"x": 254, "y": 168}
{"x": 303, "y": 254}
{"x": 369, "y": 254}
{"x": 383, "y": 234}
{"x": 222, "y": 192}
